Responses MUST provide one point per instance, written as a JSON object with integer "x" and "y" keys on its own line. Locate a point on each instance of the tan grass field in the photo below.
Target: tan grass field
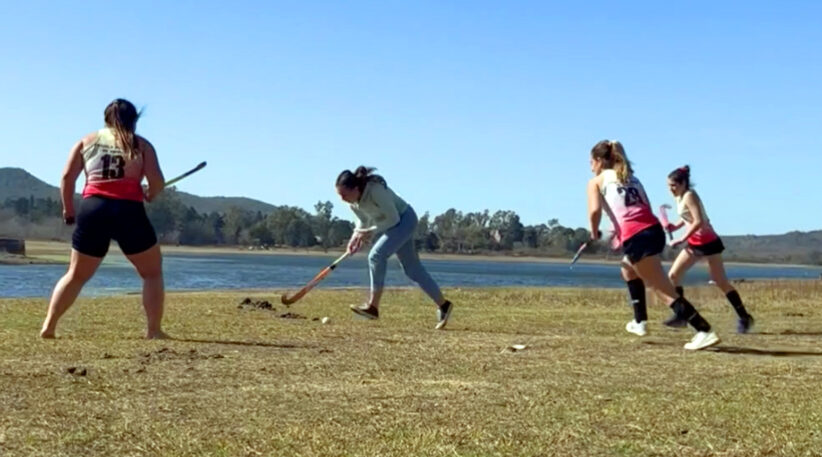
{"x": 243, "y": 382}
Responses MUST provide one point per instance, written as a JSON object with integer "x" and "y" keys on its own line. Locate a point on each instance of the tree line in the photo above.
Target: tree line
{"x": 288, "y": 226}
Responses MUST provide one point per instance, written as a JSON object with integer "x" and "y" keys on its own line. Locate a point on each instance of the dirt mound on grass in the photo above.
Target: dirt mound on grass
{"x": 256, "y": 304}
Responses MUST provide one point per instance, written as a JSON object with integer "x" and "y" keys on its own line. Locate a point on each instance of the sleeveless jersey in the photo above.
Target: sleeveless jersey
{"x": 706, "y": 233}
{"x": 109, "y": 171}
{"x": 627, "y": 205}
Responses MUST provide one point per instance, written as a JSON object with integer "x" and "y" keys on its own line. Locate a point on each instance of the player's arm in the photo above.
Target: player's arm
{"x": 691, "y": 201}
{"x": 594, "y": 207}
{"x": 74, "y": 165}
{"x": 152, "y": 171}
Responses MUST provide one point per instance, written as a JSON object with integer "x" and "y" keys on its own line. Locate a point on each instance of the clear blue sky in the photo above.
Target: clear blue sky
{"x": 467, "y": 104}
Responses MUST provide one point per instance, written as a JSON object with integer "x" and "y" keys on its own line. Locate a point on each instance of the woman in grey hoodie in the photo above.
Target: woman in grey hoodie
{"x": 387, "y": 219}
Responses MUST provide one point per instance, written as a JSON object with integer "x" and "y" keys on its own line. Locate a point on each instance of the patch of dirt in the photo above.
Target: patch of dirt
{"x": 163, "y": 354}
{"x": 256, "y": 304}
{"x": 290, "y": 315}
{"x": 77, "y": 371}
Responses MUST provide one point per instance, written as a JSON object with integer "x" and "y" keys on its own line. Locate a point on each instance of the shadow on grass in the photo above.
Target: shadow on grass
{"x": 748, "y": 351}
{"x": 245, "y": 343}
{"x": 769, "y": 352}
{"x": 789, "y": 333}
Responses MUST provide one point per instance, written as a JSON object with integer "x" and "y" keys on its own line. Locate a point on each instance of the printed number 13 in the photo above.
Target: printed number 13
{"x": 119, "y": 167}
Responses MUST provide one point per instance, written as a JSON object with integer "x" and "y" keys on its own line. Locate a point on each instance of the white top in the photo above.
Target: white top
{"x": 379, "y": 208}
{"x": 626, "y": 204}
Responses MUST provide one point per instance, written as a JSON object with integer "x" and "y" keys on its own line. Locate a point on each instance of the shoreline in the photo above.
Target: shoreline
{"x": 57, "y": 252}
{"x": 274, "y": 293}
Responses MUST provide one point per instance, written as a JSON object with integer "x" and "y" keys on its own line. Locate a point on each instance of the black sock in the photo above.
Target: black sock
{"x": 636, "y": 290}
{"x": 686, "y": 311}
{"x": 680, "y": 291}
{"x": 736, "y": 302}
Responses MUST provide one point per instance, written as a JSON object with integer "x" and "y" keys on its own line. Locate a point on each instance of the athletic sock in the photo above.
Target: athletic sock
{"x": 736, "y": 302}
{"x": 686, "y": 311}
{"x": 680, "y": 291}
{"x": 636, "y": 290}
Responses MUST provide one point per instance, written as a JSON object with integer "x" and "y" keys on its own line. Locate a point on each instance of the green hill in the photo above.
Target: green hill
{"x": 18, "y": 183}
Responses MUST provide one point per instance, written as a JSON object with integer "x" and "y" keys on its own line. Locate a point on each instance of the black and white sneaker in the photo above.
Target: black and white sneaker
{"x": 745, "y": 324}
{"x": 366, "y": 311}
{"x": 443, "y": 313}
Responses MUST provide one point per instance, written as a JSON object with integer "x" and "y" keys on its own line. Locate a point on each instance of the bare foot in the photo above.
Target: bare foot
{"x": 158, "y": 335}
{"x": 47, "y": 334}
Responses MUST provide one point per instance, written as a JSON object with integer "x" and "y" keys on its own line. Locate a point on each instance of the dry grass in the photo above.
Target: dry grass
{"x": 243, "y": 382}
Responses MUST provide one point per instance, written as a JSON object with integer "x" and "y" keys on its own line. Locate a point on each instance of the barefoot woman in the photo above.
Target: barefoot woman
{"x": 115, "y": 161}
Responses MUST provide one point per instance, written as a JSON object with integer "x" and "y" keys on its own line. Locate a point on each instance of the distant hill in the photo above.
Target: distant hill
{"x": 791, "y": 247}
{"x": 18, "y": 183}
{"x": 221, "y": 204}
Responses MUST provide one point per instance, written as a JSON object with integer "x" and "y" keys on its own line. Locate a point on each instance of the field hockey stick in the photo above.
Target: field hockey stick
{"x": 613, "y": 241}
{"x": 663, "y": 214}
{"x": 579, "y": 253}
{"x": 199, "y": 167}
{"x": 286, "y": 300}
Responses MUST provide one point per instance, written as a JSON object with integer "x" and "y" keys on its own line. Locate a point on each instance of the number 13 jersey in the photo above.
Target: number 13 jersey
{"x": 627, "y": 205}
{"x": 109, "y": 171}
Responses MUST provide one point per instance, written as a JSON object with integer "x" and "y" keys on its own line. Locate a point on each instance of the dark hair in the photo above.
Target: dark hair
{"x": 682, "y": 175}
{"x": 613, "y": 155}
{"x": 121, "y": 115}
{"x": 359, "y": 178}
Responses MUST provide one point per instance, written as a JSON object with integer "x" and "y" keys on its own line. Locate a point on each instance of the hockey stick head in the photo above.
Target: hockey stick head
{"x": 173, "y": 181}
{"x": 286, "y": 300}
{"x": 663, "y": 213}
{"x": 663, "y": 217}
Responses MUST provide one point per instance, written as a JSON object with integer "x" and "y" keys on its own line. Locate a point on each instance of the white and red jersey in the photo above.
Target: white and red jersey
{"x": 109, "y": 171}
{"x": 704, "y": 234}
{"x": 626, "y": 204}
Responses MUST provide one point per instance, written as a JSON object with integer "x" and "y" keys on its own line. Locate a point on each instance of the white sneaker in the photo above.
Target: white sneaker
{"x": 637, "y": 328}
{"x": 702, "y": 340}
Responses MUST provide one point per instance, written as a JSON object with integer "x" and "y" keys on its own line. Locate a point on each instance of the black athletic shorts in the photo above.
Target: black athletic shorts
{"x": 101, "y": 220}
{"x": 714, "y": 247}
{"x": 646, "y": 243}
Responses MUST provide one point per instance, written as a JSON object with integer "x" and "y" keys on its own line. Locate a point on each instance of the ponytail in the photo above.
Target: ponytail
{"x": 121, "y": 116}
{"x": 613, "y": 156}
{"x": 621, "y": 164}
{"x": 359, "y": 178}
{"x": 682, "y": 176}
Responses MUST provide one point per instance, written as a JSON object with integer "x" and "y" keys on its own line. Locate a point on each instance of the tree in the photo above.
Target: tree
{"x": 260, "y": 233}
{"x": 508, "y": 225}
{"x": 235, "y": 221}
{"x": 340, "y": 232}
{"x": 322, "y": 222}
{"x": 166, "y": 213}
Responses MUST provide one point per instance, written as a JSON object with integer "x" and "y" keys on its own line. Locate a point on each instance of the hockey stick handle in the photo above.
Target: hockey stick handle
{"x": 200, "y": 166}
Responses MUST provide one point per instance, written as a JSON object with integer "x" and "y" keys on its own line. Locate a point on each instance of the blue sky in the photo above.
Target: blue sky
{"x": 467, "y": 104}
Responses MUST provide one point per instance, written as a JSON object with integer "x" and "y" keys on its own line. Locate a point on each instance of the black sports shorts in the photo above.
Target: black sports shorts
{"x": 646, "y": 243}
{"x": 102, "y": 219}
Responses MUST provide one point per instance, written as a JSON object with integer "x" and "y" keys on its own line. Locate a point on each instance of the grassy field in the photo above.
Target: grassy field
{"x": 248, "y": 382}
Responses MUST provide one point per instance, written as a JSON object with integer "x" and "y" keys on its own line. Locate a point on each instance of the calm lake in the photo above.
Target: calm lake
{"x": 248, "y": 271}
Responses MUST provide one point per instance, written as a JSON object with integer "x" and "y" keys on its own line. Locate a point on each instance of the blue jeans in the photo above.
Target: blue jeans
{"x": 399, "y": 240}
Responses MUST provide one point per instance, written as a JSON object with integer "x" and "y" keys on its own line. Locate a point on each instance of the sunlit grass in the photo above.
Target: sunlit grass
{"x": 248, "y": 382}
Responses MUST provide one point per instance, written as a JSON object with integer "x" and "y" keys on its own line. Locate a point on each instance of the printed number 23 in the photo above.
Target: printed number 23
{"x": 632, "y": 196}
{"x": 118, "y": 164}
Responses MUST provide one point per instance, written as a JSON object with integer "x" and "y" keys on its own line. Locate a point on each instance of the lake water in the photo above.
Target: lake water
{"x": 248, "y": 271}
